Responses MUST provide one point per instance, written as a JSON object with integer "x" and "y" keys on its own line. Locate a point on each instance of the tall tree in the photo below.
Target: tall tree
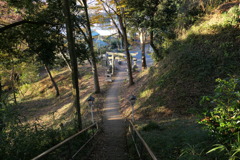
{"x": 90, "y": 43}
{"x": 143, "y": 33}
{"x": 73, "y": 58}
{"x": 13, "y": 80}
{"x": 47, "y": 15}
{"x": 1, "y": 90}
{"x": 118, "y": 7}
{"x": 112, "y": 16}
{"x": 42, "y": 42}
{"x": 52, "y": 79}
{"x": 10, "y": 56}
{"x": 158, "y": 17}
{"x": 30, "y": 29}
{"x": 65, "y": 59}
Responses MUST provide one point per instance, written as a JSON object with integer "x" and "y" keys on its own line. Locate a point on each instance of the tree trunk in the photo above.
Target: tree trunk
{"x": 1, "y": 91}
{"x": 13, "y": 84}
{"x": 66, "y": 60}
{"x": 89, "y": 61}
{"x": 1, "y": 101}
{"x": 154, "y": 47}
{"x": 143, "y": 42}
{"x": 52, "y": 79}
{"x": 73, "y": 59}
{"x": 126, "y": 49}
{"x": 201, "y": 3}
{"x": 116, "y": 26}
{"x": 94, "y": 65}
{"x": 123, "y": 43}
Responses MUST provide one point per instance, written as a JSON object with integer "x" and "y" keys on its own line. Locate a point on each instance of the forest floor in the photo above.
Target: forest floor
{"x": 38, "y": 103}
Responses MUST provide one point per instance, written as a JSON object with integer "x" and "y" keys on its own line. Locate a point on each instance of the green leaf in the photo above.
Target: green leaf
{"x": 217, "y": 147}
{"x": 236, "y": 151}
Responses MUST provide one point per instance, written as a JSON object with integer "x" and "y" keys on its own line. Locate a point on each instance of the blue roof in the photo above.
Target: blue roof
{"x": 100, "y": 43}
{"x": 94, "y": 33}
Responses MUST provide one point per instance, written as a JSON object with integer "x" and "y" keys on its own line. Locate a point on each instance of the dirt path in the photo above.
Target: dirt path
{"x": 112, "y": 144}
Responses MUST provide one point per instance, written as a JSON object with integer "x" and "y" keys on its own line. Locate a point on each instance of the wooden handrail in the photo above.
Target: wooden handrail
{"x": 84, "y": 145}
{"x": 143, "y": 142}
{"x": 63, "y": 142}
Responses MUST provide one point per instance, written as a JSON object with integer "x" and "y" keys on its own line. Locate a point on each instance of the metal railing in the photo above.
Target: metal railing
{"x": 143, "y": 150}
{"x": 69, "y": 149}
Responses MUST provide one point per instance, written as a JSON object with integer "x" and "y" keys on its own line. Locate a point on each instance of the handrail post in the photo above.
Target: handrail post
{"x": 143, "y": 146}
{"x": 93, "y": 132}
{"x": 141, "y": 151}
{"x": 135, "y": 135}
{"x": 69, "y": 151}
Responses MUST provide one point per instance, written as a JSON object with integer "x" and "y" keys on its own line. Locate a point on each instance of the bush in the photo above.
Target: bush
{"x": 232, "y": 150}
{"x": 224, "y": 120}
{"x": 28, "y": 73}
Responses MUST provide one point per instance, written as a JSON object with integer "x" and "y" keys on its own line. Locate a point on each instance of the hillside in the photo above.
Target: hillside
{"x": 38, "y": 101}
{"x": 175, "y": 85}
{"x": 169, "y": 93}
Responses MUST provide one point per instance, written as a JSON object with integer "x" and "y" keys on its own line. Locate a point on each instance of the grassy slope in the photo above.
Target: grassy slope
{"x": 169, "y": 92}
{"x": 38, "y": 100}
{"x": 49, "y": 120}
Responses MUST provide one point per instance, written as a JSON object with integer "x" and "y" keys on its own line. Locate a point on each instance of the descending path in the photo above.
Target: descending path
{"x": 112, "y": 145}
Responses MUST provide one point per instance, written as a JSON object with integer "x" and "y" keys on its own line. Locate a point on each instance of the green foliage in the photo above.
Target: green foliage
{"x": 232, "y": 16}
{"x": 28, "y": 73}
{"x": 155, "y": 16}
{"x": 223, "y": 121}
{"x": 42, "y": 41}
{"x": 81, "y": 51}
{"x": 114, "y": 44}
{"x": 8, "y": 115}
{"x": 232, "y": 151}
{"x": 25, "y": 141}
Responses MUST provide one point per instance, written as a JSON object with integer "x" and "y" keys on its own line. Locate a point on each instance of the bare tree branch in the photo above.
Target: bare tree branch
{"x": 114, "y": 22}
{"x": 115, "y": 12}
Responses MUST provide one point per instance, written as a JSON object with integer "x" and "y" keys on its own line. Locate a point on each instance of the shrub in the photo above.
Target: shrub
{"x": 224, "y": 120}
{"x": 28, "y": 72}
{"x": 232, "y": 151}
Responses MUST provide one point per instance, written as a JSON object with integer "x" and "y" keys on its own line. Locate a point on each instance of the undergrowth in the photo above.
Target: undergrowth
{"x": 222, "y": 121}
{"x": 25, "y": 141}
{"x": 41, "y": 121}
{"x": 175, "y": 139}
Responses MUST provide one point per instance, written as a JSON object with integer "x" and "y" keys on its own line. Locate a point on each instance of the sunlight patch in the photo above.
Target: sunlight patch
{"x": 146, "y": 94}
{"x": 164, "y": 110}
